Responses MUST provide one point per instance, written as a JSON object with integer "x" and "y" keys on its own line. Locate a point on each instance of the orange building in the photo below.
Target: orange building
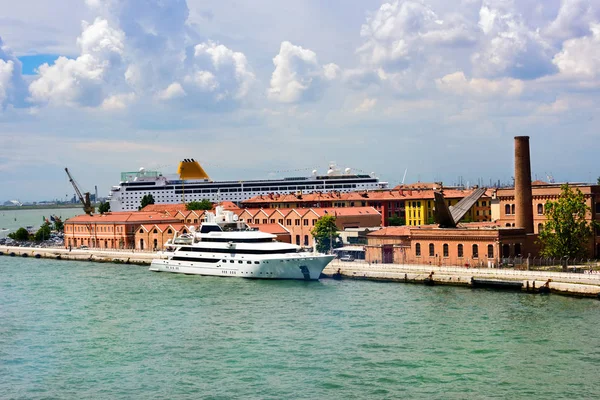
{"x": 476, "y": 244}
{"x": 113, "y": 230}
{"x": 414, "y": 205}
{"x": 299, "y": 222}
{"x": 504, "y": 206}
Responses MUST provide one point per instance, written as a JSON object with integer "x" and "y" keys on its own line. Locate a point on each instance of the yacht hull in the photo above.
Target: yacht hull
{"x": 307, "y": 267}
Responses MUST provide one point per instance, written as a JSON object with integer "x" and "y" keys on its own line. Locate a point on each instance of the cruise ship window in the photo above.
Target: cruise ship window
{"x": 248, "y": 262}
{"x": 231, "y": 261}
{"x": 240, "y": 262}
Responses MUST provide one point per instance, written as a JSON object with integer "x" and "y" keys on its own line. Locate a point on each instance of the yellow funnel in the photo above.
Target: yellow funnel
{"x": 191, "y": 169}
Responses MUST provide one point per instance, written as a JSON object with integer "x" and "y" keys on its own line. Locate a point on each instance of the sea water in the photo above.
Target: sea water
{"x": 81, "y": 330}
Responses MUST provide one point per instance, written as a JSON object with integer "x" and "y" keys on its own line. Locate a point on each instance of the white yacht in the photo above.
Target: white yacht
{"x": 193, "y": 184}
{"x": 225, "y": 246}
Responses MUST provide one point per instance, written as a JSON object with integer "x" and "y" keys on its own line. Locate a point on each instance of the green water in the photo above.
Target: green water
{"x": 74, "y": 330}
{"x": 15, "y": 219}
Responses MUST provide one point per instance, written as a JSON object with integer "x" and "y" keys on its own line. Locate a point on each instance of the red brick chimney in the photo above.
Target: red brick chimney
{"x": 523, "y": 195}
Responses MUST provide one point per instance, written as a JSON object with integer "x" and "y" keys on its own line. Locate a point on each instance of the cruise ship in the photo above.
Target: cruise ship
{"x": 193, "y": 184}
{"x": 227, "y": 247}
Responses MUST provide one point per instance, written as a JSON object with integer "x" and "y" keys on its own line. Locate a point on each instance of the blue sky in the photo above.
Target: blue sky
{"x": 252, "y": 89}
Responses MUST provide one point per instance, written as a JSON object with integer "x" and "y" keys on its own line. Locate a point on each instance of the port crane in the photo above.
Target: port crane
{"x": 87, "y": 204}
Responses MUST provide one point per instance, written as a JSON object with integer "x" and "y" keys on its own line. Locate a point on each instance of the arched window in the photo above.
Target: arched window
{"x": 155, "y": 230}
{"x": 445, "y": 249}
{"x": 418, "y": 249}
{"x": 306, "y": 240}
{"x": 512, "y": 209}
{"x": 540, "y": 209}
{"x": 507, "y": 224}
{"x": 431, "y": 250}
{"x": 169, "y": 231}
{"x": 490, "y": 251}
{"x": 460, "y": 250}
{"x": 507, "y": 209}
{"x": 141, "y": 231}
{"x": 475, "y": 251}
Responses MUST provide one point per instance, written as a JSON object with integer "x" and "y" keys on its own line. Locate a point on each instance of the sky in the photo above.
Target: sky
{"x": 271, "y": 88}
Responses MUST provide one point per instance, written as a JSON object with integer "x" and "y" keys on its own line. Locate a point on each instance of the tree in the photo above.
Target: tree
{"x": 598, "y": 180}
{"x": 396, "y": 221}
{"x": 43, "y": 233}
{"x": 325, "y": 232}
{"x": 20, "y": 234}
{"x": 59, "y": 226}
{"x": 567, "y": 232}
{"x": 104, "y": 207}
{"x": 146, "y": 200}
{"x": 199, "y": 205}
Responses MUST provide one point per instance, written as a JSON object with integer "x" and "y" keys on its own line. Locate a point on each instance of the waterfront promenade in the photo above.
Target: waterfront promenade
{"x": 576, "y": 284}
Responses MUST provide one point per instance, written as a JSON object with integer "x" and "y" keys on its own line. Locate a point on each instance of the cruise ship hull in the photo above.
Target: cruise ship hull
{"x": 305, "y": 267}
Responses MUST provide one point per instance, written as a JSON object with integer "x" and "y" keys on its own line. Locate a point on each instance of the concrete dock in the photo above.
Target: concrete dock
{"x": 573, "y": 284}
{"x": 96, "y": 255}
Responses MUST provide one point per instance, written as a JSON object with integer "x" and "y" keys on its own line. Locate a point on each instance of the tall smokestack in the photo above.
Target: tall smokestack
{"x": 523, "y": 195}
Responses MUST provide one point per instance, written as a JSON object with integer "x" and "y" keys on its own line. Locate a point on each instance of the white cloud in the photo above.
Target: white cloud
{"x": 559, "y": 106}
{"x": 6, "y": 72}
{"x": 398, "y": 33}
{"x": 331, "y": 71}
{"x": 298, "y": 75}
{"x": 510, "y": 48}
{"x": 118, "y": 101}
{"x": 457, "y": 83}
{"x": 11, "y": 80}
{"x": 173, "y": 91}
{"x": 573, "y": 20}
{"x": 219, "y": 69}
{"x": 84, "y": 80}
{"x": 366, "y": 105}
{"x": 580, "y": 57}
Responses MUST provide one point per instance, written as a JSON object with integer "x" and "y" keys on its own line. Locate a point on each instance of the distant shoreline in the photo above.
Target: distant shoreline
{"x": 40, "y": 207}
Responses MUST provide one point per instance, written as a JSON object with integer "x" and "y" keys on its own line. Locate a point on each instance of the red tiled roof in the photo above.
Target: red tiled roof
{"x": 392, "y": 231}
{"x": 274, "y": 229}
{"x": 121, "y": 217}
{"x": 378, "y": 195}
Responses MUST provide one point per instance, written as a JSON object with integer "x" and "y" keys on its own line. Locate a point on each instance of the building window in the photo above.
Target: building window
{"x": 460, "y": 251}
{"x": 540, "y": 227}
{"x": 264, "y": 221}
{"x": 288, "y": 222}
{"x": 155, "y": 231}
{"x": 169, "y": 231}
{"x": 490, "y": 251}
{"x": 475, "y": 251}
{"x": 418, "y": 249}
{"x": 306, "y": 240}
{"x": 297, "y": 222}
{"x": 507, "y": 209}
{"x": 298, "y": 240}
{"x": 512, "y": 209}
{"x": 445, "y": 248}
{"x": 431, "y": 250}
{"x": 141, "y": 231}
{"x": 305, "y": 222}
{"x": 540, "y": 208}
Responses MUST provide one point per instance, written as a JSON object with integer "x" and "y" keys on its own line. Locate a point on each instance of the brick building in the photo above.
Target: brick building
{"x": 413, "y": 204}
{"x": 300, "y": 221}
{"x": 477, "y": 244}
{"x": 504, "y": 206}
